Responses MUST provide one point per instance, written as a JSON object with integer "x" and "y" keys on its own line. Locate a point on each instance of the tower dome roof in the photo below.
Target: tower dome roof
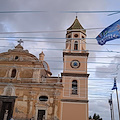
{"x": 76, "y": 26}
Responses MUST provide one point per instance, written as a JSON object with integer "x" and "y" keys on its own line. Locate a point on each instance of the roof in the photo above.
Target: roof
{"x": 19, "y": 46}
{"x": 18, "y": 54}
{"x": 76, "y": 26}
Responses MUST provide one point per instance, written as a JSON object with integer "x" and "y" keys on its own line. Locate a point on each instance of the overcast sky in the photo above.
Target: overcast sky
{"x": 101, "y": 75}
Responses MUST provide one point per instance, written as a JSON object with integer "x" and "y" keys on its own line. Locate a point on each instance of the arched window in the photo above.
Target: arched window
{"x": 76, "y": 45}
{"x": 13, "y": 74}
{"x": 74, "y": 87}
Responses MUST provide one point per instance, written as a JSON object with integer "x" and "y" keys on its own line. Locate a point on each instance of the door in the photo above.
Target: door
{"x": 41, "y": 114}
{"x": 6, "y": 111}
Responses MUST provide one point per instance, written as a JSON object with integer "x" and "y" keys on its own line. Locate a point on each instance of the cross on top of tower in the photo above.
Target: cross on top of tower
{"x": 20, "y": 41}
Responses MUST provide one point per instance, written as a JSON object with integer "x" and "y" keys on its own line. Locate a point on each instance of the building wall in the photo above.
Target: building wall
{"x": 31, "y": 79}
{"x": 27, "y": 102}
{"x": 74, "y": 99}
{"x": 74, "y": 111}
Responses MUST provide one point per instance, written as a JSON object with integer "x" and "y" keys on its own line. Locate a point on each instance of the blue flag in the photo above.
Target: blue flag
{"x": 110, "y": 33}
{"x": 115, "y": 85}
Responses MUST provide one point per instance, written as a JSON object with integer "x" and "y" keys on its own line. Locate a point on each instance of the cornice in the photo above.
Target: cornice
{"x": 75, "y": 54}
{"x": 74, "y": 74}
{"x": 72, "y": 100}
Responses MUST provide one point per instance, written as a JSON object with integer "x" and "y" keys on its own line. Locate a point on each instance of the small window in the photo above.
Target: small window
{"x": 74, "y": 87}
{"x": 16, "y": 57}
{"x": 69, "y": 36}
{"x": 83, "y": 37}
{"x": 43, "y": 98}
{"x": 76, "y": 35}
{"x": 76, "y": 45}
{"x": 13, "y": 74}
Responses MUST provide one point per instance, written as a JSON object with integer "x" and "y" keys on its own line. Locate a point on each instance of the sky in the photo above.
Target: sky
{"x": 53, "y": 21}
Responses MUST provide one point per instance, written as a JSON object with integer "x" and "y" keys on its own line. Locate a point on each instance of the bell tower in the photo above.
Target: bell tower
{"x": 74, "y": 100}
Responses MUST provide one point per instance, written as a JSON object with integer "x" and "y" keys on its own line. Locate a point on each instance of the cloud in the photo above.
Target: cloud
{"x": 110, "y": 69}
{"x": 52, "y": 20}
{"x": 100, "y": 107}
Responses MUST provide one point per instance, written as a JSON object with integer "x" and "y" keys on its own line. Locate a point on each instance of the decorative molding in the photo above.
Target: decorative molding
{"x": 9, "y": 90}
{"x": 75, "y": 54}
{"x": 72, "y": 100}
{"x": 74, "y": 74}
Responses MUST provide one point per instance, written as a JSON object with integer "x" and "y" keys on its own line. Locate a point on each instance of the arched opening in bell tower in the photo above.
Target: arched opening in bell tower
{"x": 76, "y": 45}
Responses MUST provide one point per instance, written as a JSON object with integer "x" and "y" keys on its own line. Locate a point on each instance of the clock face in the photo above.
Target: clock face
{"x": 75, "y": 64}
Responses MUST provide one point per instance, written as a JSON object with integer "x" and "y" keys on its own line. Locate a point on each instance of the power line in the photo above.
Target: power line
{"x": 45, "y": 38}
{"x": 37, "y": 68}
{"x": 50, "y": 31}
{"x": 50, "y": 60}
{"x": 56, "y": 57}
{"x": 60, "y": 42}
{"x": 56, "y": 78}
{"x": 80, "y": 51}
{"x": 83, "y": 91}
{"x": 80, "y": 11}
{"x": 56, "y": 85}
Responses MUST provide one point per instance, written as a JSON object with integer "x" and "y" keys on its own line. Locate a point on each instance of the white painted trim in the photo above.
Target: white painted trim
{"x": 70, "y": 88}
{"x": 63, "y": 87}
{"x": 74, "y": 102}
{"x": 61, "y": 109}
{"x": 80, "y": 46}
{"x": 79, "y": 88}
{"x": 85, "y": 89}
{"x": 64, "y": 69}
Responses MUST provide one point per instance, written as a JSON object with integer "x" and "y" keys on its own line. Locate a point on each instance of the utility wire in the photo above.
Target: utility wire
{"x": 80, "y": 11}
{"x": 81, "y": 92}
{"x": 38, "y": 37}
{"x": 57, "y": 78}
{"x": 4, "y": 67}
{"x": 60, "y": 42}
{"x": 50, "y": 31}
{"x": 37, "y": 68}
{"x": 80, "y": 51}
{"x": 106, "y": 63}
{"x": 56, "y": 57}
{"x": 53, "y": 86}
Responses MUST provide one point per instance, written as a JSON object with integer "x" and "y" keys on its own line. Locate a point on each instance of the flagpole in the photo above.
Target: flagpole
{"x": 115, "y": 87}
{"x": 111, "y": 107}
{"x": 112, "y": 110}
{"x": 118, "y": 104}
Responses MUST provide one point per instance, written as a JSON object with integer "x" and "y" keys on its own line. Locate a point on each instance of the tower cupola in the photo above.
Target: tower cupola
{"x": 75, "y": 37}
{"x": 76, "y": 26}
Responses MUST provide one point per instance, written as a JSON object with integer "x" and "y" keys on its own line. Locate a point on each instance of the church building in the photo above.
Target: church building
{"x": 28, "y": 91}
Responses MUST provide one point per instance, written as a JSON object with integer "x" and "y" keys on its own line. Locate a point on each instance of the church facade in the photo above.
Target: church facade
{"x": 29, "y": 91}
